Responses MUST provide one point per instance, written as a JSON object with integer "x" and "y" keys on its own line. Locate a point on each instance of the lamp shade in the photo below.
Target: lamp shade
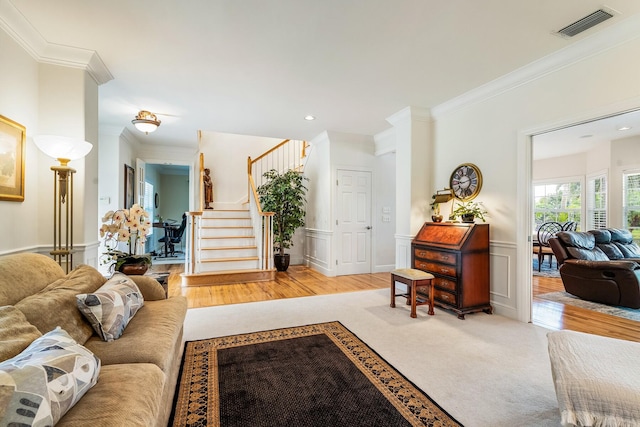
{"x": 62, "y": 148}
{"x": 146, "y": 122}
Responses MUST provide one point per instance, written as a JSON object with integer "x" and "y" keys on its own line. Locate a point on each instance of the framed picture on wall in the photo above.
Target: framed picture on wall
{"x": 129, "y": 182}
{"x": 12, "y": 151}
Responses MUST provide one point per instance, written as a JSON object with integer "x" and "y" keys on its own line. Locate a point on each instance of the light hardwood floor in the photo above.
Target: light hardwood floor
{"x": 299, "y": 281}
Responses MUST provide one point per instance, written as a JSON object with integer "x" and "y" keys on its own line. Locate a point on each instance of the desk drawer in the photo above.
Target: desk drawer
{"x": 446, "y": 297}
{"x": 439, "y": 256}
{"x": 447, "y": 270}
{"x": 441, "y": 282}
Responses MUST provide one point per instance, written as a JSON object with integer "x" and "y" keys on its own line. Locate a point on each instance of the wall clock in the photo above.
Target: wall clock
{"x": 466, "y": 181}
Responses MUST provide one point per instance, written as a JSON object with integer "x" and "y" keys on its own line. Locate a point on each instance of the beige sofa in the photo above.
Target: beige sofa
{"x": 139, "y": 370}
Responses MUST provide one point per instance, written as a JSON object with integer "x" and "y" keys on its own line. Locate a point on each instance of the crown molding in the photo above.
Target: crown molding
{"x": 385, "y": 141}
{"x": 410, "y": 113}
{"x": 609, "y": 38}
{"x": 27, "y": 37}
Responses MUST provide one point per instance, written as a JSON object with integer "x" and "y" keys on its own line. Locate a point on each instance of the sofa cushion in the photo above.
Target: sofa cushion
{"x": 56, "y": 304}
{"x": 110, "y": 308}
{"x": 126, "y": 395}
{"x": 38, "y": 386}
{"x": 25, "y": 274}
{"x": 620, "y": 235}
{"x": 150, "y": 337}
{"x": 582, "y": 245}
{"x": 601, "y": 235}
{"x": 623, "y": 240}
{"x": 16, "y": 333}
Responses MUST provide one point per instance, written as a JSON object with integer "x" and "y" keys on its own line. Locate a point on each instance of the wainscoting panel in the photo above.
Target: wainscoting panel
{"x": 318, "y": 251}
{"x": 502, "y": 256}
{"x": 403, "y": 251}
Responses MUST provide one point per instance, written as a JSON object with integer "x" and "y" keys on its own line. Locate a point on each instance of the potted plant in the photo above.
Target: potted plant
{"x": 129, "y": 226}
{"x": 469, "y": 211}
{"x": 284, "y": 195}
{"x": 435, "y": 207}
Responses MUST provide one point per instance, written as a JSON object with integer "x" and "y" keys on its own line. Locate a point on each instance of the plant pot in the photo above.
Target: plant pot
{"x": 436, "y": 218}
{"x": 281, "y": 262}
{"x": 468, "y": 217}
{"x": 134, "y": 269}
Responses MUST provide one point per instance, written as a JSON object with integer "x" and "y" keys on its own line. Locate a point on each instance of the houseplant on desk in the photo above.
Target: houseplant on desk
{"x": 128, "y": 226}
{"x": 469, "y": 211}
{"x": 284, "y": 195}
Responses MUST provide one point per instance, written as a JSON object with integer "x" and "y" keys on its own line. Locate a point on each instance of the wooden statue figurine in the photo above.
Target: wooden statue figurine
{"x": 208, "y": 189}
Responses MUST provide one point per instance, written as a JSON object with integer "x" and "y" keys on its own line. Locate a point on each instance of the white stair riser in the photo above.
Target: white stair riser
{"x": 226, "y": 232}
{"x": 228, "y": 265}
{"x": 227, "y": 222}
{"x": 225, "y": 214}
{"x": 228, "y": 253}
{"x": 226, "y": 242}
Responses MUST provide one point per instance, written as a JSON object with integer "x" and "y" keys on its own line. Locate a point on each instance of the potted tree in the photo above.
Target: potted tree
{"x": 284, "y": 195}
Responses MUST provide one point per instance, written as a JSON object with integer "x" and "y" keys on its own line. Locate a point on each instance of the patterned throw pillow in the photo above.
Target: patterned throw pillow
{"x": 39, "y": 385}
{"x": 112, "y": 306}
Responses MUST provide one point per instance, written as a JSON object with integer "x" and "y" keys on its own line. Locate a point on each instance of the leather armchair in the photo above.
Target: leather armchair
{"x": 594, "y": 266}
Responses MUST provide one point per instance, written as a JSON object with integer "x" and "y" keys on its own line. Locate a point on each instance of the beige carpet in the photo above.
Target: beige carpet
{"x": 486, "y": 370}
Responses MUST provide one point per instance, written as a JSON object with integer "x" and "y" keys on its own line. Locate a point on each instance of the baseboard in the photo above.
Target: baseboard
{"x": 384, "y": 268}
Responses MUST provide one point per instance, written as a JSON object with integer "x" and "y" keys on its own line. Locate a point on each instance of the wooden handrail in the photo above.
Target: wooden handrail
{"x": 252, "y": 184}
{"x": 271, "y": 150}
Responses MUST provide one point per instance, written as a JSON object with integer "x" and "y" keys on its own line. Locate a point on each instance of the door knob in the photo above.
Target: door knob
{"x": 368, "y": 227}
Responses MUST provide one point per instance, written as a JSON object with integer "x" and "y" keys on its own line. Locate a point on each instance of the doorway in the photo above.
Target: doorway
{"x": 593, "y": 153}
{"x": 170, "y": 199}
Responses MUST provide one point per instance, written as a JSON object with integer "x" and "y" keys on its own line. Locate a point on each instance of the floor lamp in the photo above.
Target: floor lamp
{"x": 64, "y": 150}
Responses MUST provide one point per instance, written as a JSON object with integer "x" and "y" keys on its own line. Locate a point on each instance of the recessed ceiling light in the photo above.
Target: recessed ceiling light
{"x": 309, "y": 117}
{"x": 621, "y": 128}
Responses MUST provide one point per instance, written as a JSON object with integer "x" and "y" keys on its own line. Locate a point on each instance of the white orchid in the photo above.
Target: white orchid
{"x": 125, "y": 225}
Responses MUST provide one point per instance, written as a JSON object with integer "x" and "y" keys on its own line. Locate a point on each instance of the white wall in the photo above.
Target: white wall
{"x": 492, "y": 133}
{"x": 557, "y": 167}
{"x": 384, "y": 184}
{"x": 318, "y": 229}
{"x": 19, "y": 102}
{"x": 49, "y": 99}
{"x": 625, "y": 156}
{"x": 330, "y": 152}
{"x": 226, "y": 155}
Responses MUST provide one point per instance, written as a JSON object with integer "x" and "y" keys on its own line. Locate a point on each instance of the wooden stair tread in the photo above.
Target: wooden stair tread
{"x": 228, "y": 248}
{"x": 227, "y": 237}
{"x": 252, "y": 258}
{"x": 212, "y": 278}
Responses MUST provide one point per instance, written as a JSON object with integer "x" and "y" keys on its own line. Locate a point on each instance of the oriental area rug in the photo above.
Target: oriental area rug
{"x": 315, "y": 375}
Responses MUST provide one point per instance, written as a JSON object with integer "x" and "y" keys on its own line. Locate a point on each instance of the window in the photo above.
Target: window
{"x": 557, "y": 201}
{"x": 631, "y": 202}
{"x": 597, "y": 201}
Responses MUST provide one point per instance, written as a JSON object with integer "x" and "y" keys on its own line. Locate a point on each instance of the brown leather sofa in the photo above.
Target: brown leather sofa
{"x": 599, "y": 265}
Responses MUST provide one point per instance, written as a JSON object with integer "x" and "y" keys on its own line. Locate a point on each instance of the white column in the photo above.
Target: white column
{"x": 414, "y": 148}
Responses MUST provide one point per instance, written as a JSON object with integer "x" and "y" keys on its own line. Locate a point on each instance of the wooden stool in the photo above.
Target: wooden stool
{"x": 413, "y": 279}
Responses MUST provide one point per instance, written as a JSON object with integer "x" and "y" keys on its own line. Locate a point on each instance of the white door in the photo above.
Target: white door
{"x": 140, "y": 177}
{"x": 353, "y": 223}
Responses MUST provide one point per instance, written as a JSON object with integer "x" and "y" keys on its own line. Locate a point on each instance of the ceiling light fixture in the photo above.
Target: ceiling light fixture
{"x": 309, "y": 117}
{"x": 621, "y": 128}
{"x": 146, "y": 122}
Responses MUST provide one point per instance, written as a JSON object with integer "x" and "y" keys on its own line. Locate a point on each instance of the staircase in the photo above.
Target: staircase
{"x": 236, "y": 246}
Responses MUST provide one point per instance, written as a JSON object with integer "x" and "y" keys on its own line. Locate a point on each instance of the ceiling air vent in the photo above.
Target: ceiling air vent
{"x": 585, "y": 23}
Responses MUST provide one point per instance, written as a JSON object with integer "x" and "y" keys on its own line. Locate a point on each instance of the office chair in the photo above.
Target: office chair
{"x": 174, "y": 236}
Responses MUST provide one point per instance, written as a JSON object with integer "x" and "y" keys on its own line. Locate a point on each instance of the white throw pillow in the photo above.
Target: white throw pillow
{"x": 39, "y": 385}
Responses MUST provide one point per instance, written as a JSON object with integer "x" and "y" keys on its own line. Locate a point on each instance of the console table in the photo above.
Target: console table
{"x": 457, "y": 254}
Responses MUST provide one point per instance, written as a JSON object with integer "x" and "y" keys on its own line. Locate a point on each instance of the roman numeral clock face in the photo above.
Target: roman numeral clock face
{"x": 466, "y": 181}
